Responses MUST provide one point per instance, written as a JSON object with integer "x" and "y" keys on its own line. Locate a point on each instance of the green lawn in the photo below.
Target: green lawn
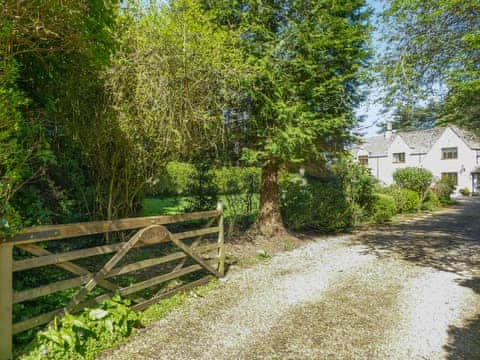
{"x": 177, "y": 204}
{"x": 164, "y": 206}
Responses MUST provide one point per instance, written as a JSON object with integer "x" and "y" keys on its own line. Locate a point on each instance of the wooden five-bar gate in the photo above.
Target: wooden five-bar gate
{"x": 150, "y": 231}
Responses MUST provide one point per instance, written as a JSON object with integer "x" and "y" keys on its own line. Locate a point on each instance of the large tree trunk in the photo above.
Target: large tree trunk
{"x": 269, "y": 220}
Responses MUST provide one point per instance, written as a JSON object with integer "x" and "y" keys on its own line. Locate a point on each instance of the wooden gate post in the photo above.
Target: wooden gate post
{"x": 221, "y": 241}
{"x": 6, "y": 300}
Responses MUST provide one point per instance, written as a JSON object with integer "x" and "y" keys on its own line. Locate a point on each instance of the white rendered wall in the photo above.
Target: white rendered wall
{"x": 463, "y": 165}
{"x": 383, "y": 167}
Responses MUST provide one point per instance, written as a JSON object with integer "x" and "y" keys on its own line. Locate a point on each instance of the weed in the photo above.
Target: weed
{"x": 262, "y": 255}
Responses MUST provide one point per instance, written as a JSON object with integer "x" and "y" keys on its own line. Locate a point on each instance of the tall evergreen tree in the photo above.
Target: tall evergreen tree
{"x": 302, "y": 60}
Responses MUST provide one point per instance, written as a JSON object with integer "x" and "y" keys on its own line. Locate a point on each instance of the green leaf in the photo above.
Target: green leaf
{"x": 97, "y": 314}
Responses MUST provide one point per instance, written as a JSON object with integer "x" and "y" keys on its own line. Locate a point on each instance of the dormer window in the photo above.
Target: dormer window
{"x": 363, "y": 159}
{"x": 449, "y": 153}
{"x": 398, "y": 158}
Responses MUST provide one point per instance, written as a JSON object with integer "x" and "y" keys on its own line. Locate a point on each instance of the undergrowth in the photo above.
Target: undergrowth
{"x": 85, "y": 335}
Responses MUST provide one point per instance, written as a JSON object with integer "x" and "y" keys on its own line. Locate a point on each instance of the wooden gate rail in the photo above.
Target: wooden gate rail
{"x": 151, "y": 231}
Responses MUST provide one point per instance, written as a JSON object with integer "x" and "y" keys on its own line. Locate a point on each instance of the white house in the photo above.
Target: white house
{"x": 447, "y": 152}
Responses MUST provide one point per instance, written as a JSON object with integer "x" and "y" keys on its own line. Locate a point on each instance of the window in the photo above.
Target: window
{"x": 398, "y": 157}
{"x": 363, "y": 159}
{"x": 449, "y": 153}
{"x": 452, "y": 176}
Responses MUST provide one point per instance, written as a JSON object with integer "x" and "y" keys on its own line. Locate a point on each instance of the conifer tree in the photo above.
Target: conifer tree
{"x": 300, "y": 82}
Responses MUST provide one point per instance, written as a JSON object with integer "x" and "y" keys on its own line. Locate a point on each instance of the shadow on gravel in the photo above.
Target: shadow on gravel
{"x": 464, "y": 342}
{"x": 473, "y": 283}
{"x": 447, "y": 241}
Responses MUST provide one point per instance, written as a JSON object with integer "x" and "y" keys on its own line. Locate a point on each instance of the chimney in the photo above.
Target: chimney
{"x": 389, "y": 131}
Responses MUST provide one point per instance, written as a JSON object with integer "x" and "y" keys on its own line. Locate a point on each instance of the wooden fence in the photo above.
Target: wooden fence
{"x": 150, "y": 231}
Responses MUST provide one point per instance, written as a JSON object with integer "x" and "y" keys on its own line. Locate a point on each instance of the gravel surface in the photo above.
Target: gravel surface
{"x": 407, "y": 291}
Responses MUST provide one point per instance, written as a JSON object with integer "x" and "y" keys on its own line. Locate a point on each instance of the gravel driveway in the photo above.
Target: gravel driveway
{"x": 405, "y": 291}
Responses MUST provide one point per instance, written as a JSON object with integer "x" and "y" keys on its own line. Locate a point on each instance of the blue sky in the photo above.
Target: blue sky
{"x": 371, "y": 110}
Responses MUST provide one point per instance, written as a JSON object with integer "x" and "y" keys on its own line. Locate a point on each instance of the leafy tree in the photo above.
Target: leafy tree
{"x": 167, "y": 82}
{"x": 298, "y": 86}
{"x": 434, "y": 48}
{"x": 52, "y": 100}
{"x": 24, "y": 153}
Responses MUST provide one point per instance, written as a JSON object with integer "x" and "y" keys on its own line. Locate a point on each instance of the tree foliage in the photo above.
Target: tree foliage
{"x": 435, "y": 49}
{"x": 410, "y": 117}
{"x": 167, "y": 80}
{"x": 299, "y": 84}
{"x": 52, "y": 100}
{"x": 303, "y": 62}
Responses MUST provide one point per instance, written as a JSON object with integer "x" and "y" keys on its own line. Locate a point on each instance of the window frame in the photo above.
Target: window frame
{"x": 361, "y": 160}
{"x": 450, "y": 150}
{"x": 401, "y": 158}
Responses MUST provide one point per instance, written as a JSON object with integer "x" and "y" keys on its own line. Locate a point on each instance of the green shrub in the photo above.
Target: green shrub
{"x": 431, "y": 201}
{"x": 429, "y": 206}
{"x": 406, "y": 200}
{"x": 384, "y": 208}
{"x": 465, "y": 191}
{"x": 415, "y": 179}
{"x": 180, "y": 178}
{"x": 315, "y": 204}
{"x": 444, "y": 189}
{"x": 176, "y": 179}
{"x": 235, "y": 179}
{"x": 335, "y": 202}
{"x": 432, "y": 198}
{"x": 204, "y": 191}
{"x": 358, "y": 185}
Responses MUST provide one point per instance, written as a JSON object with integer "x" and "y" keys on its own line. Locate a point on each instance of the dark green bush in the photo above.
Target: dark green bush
{"x": 444, "y": 189}
{"x": 384, "y": 208}
{"x": 415, "y": 179}
{"x": 335, "y": 202}
{"x": 431, "y": 201}
{"x": 204, "y": 192}
{"x": 315, "y": 204}
{"x": 431, "y": 197}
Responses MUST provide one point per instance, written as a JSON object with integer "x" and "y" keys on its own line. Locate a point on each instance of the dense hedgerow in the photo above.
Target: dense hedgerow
{"x": 332, "y": 203}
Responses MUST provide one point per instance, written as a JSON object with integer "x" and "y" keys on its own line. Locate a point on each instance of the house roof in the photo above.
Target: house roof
{"x": 420, "y": 141}
{"x": 376, "y": 145}
{"x": 470, "y": 138}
